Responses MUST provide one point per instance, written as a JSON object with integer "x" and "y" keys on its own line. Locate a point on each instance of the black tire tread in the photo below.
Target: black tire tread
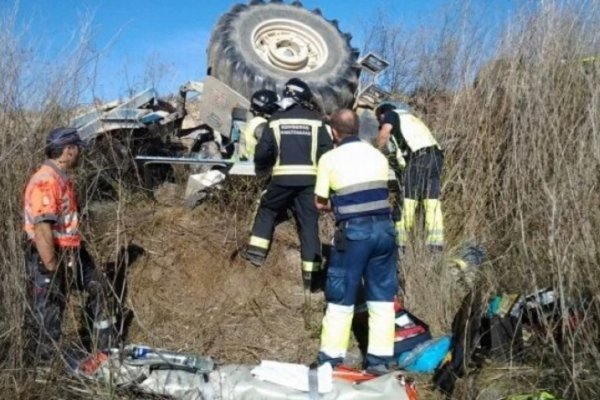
{"x": 226, "y": 62}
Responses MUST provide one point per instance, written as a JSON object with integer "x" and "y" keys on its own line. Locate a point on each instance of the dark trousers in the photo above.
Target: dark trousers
{"x": 422, "y": 183}
{"x": 422, "y": 178}
{"x": 48, "y": 296}
{"x": 278, "y": 198}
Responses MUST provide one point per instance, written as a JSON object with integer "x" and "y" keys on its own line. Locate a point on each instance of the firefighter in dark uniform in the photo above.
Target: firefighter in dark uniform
{"x": 291, "y": 145}
{"x": 262, "y": 105}
{"x": 407, "y": 136}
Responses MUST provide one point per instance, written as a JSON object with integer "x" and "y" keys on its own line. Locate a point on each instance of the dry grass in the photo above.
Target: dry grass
{"x": 522, "y": 168}
{"x": 522, "y": 176}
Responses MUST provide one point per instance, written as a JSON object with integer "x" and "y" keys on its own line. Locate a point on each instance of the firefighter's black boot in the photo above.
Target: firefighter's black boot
{"x": 255, "y": 259}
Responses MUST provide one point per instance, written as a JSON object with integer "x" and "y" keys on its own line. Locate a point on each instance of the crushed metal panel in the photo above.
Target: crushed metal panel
{"x": 216, "y": 104}
{"x": 139, "y": 99}
{"x": 94, "y": 128}
{"x": 86, "y": 118}
{"x": 91, "y": 130}
{"x": 183, "y": 161}
{"x": 125, "y": 114}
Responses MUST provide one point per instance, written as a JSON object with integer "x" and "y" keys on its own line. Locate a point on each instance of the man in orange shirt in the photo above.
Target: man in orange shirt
{"x": 56, "y": 259}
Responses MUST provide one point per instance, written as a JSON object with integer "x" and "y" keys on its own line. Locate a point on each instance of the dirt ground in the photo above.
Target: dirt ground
{"x": 190, "y": 292}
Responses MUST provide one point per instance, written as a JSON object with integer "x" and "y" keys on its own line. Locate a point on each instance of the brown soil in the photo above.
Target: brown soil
{"x": 190, "y": 291}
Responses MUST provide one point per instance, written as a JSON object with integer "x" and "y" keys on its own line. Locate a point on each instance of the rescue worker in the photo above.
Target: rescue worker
{"x": 408, "y": 136}
{"x": 352, "y": 182}
{"x": 55, "y": 256}
{"x": 263, "y": 104}
{"x": 292, "y": 143}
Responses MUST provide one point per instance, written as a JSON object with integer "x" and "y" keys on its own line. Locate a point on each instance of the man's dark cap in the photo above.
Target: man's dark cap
{"x": 61, "y": 137}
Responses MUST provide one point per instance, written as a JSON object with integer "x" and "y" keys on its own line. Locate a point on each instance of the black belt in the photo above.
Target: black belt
{"x": 365, "y": 218}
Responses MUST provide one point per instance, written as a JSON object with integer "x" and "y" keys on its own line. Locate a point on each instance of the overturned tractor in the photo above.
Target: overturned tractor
{"x": 254, "y": 46}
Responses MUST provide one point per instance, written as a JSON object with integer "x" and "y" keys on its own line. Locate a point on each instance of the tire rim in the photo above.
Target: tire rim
{"x": 289, "y": 45}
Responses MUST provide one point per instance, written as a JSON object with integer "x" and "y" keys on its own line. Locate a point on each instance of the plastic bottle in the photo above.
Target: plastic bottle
{"x": 140, "y": 352}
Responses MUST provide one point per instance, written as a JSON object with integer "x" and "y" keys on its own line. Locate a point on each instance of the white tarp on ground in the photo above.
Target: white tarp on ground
{"x": 236, "y": 382}
{"x": 294, "y": 376}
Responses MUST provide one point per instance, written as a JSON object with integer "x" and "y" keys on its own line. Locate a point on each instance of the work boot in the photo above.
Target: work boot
{"x": 256, "y": 260}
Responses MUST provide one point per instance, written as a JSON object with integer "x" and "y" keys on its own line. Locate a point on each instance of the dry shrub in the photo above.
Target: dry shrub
{"x": 524, "y": 172}
{"x": 522, "y": 168}
{"x": 35, "y": 96}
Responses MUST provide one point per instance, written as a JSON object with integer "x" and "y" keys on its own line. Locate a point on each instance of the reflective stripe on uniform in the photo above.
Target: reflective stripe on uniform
{"x": 434, "y": 222}
{"x": 335, "y": 334}
{"x": 361, "y": 186}
{"x": 357, "y": 174}
{"x": 415, "y": 133}
{"x": 295, "y": 170}
{"x": 409, "y": 209}
{"x": 259, "y": 242}
{"x": 49, "y": 196}
{"x": 364, "y": 207}
{"x": 381, "y": 328}
{"x": 329, "y": 131}
{"x": 311, "y": 266}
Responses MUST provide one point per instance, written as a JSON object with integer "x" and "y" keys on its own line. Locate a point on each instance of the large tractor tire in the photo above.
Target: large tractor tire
{"x": 262, "y": 45}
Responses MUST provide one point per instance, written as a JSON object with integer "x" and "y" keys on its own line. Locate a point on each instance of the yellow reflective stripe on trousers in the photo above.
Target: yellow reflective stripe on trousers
{"x": 434, "y": 222}
{"x": 335, "y": 334}
{"x": 381, "y": 328}
{"x": 311, "y": 266}
{"x": 259, "y": 242}
{"x": 409, "y": 209}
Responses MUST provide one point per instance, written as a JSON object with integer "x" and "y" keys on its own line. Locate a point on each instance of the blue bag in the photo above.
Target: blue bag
{"x": 425, "y": 357}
